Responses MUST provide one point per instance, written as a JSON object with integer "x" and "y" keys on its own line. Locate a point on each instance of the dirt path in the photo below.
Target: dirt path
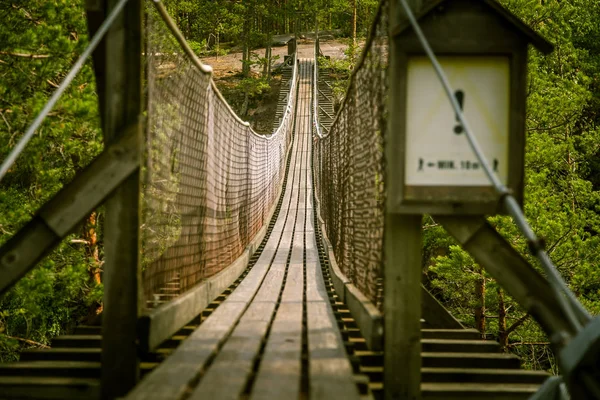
{"x": 232, "y": 63}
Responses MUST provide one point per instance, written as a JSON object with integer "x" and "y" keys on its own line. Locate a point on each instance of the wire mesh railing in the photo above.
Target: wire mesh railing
{"x": 349, "y": 166}
{"x": 209, "y": 181}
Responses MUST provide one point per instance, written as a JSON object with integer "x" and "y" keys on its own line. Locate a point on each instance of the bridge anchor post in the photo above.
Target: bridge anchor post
{"x": 118, "y": 72}
{"x": 402, "y": 263}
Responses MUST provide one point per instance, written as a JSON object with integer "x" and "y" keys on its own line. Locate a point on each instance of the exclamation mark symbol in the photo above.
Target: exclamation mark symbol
{"x": 460, "y": 98}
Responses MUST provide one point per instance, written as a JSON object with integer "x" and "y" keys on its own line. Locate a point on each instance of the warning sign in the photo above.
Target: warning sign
{"x": 437, "y": 151}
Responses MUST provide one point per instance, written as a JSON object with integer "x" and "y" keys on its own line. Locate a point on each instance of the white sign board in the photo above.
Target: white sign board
{"x": 437, "y": 150}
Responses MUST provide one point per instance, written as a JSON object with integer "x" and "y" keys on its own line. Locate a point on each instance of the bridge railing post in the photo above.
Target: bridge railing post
{"x": 119, "y": 80}
{"x": 402, "y": 262}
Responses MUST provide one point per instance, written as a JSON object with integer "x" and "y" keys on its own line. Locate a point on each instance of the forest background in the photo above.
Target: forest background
{"x": 40, "y": 40}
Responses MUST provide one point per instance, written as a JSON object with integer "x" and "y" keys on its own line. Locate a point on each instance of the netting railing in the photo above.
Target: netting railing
{"x": 349, "y": 166}
{"x": 209, "y": 181}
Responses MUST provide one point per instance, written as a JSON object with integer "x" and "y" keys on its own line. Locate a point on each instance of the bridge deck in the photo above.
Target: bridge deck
{"x": 255, "y": 342}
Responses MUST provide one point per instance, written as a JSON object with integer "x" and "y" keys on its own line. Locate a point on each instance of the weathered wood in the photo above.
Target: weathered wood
{"x": 330, "y": 370}
{"x": 231, "y": 369}
{"x": 122, "y": 272}
{"x": 509, "y": 268}
{"x": 402, "y": 245}
{"x": 280, "y": 366}
{"x": 460, "y": 391}
{"x": 402, "y": 307}
{"x": 435, "y": 314}
{"x": 55, "y": 388}
{"x": 229, "y": 373}
{"x": 171, "y": 378}
{"x": 67, "y": 369}
{"x": 61, "y": 214}
{"x": 367, "y": 317}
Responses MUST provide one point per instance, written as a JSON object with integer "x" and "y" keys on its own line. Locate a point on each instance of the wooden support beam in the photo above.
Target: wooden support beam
{"x": 402, "y": 307}
{"x": 402, "y": 250}
{"x": 436, "y": 316}
{"x": 509, "y": 268}
{"x": 122, "y": 106}
{"x": 61, "y": 214}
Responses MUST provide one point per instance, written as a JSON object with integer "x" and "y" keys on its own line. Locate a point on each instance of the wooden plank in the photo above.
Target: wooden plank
{"x": 280, "y": 366}
{"x": 330, "y": 370}
{"x": 368, "y": 318}
{"x": 284, "y": 249}
{"x": 67, "y": 208}
{"x": 312, "y": 252}
{"x": 294, "y": 285}
{"x": 229, "y": 373}
{"x": 55, "y": 388}
{"x": 435, "y": 314}
{"x": 297, "y": 255}
{"x": 314, "y": 291}
{"x": 270, "y": 287}
{"x": 171, "y": 378}
{"x": 339, "y": 279}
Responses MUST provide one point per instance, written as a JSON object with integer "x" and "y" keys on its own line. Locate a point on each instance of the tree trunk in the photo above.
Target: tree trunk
{"x": 245, "y": 105}
{"x": 267, "y": 66}
{"x": 480, "y": 308}
{"x": 502, "y": 332}
{"x": 353, "y": 27}
{"x": 90, "y": 238}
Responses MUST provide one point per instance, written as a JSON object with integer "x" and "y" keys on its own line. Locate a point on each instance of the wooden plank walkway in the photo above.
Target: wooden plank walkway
{"x": 276, "y": 335}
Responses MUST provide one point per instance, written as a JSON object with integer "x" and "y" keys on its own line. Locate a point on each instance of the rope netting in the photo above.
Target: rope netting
{"x": 349, "y": 166}
{"x": 209, "y": 181}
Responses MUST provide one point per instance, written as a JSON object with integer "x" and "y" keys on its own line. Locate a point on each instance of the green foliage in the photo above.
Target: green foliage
{"x": 39, "y": 42}
{"x": 338, "y": 73}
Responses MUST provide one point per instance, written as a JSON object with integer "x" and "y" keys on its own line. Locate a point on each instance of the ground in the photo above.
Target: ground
{"x": 261, "y": 110}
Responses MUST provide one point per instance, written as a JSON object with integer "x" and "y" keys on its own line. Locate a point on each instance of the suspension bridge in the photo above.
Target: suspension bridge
{"x": 249, "y": 266}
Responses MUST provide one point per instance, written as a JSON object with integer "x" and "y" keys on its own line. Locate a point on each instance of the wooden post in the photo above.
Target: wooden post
{"x": 402, "y": 264}
{"x": 122, "y": 107}
{"x": 402, "y": 307}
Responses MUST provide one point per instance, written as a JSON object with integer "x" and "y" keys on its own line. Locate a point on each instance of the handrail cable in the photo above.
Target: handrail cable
{"x": 349, "y": 164}
{"x": 209, "y": 180}
{"x": 570, "y": 306}
{"x": 14, "y": 154}
{"x": 316, "y": 90}
{"x": 207, "y": 69}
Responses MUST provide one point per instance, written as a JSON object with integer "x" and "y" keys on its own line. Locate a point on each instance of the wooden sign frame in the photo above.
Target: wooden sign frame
{"x": 461, "y": 28}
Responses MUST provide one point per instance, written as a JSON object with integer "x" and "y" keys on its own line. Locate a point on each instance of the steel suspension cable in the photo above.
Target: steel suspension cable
{"x": 14, "y": 154}
{"x": 569, "y": 304}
